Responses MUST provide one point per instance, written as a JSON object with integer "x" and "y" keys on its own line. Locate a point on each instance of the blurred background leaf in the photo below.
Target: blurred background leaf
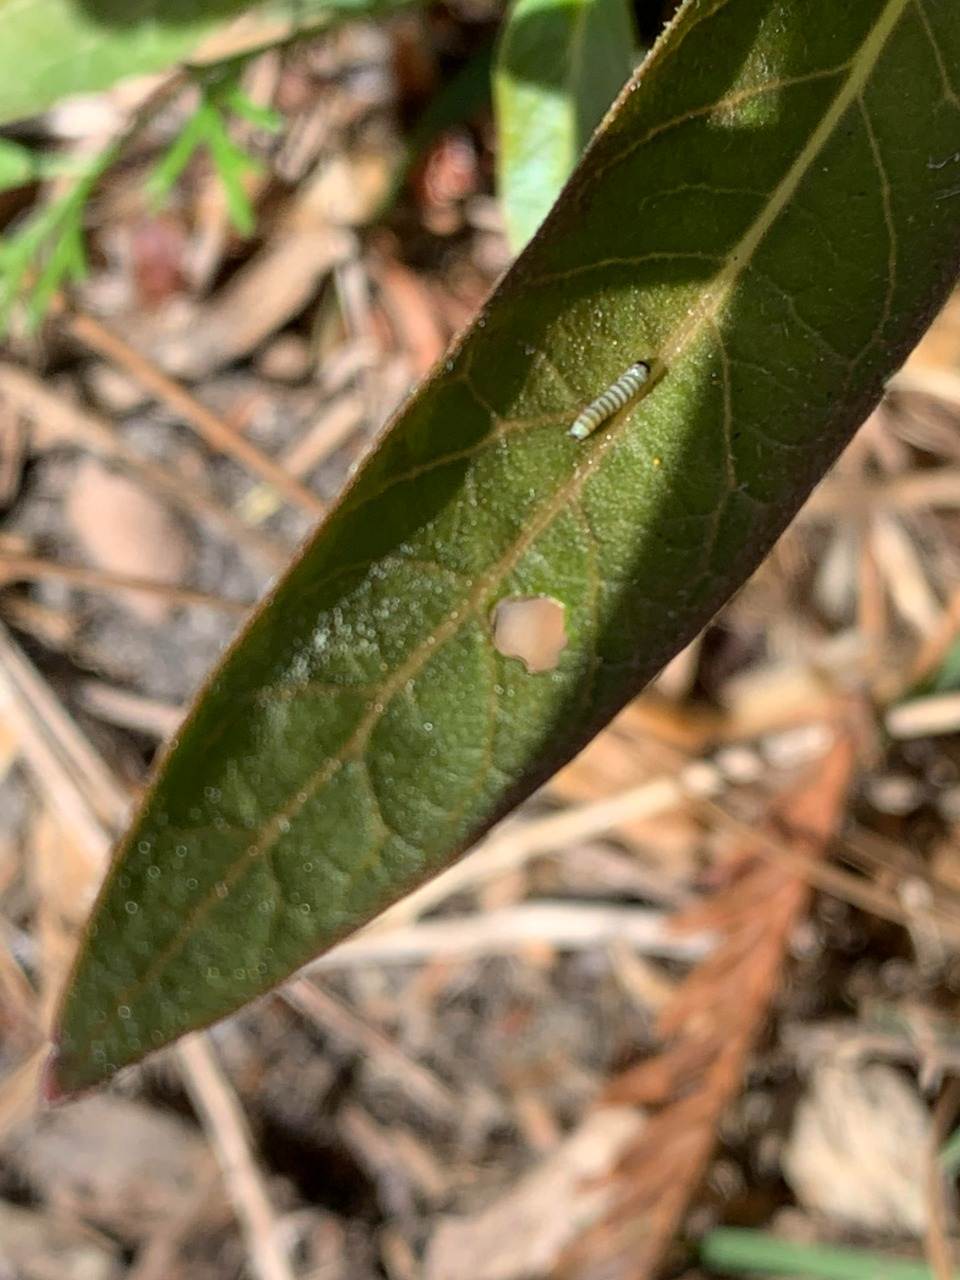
{"x": 559, "y": 66}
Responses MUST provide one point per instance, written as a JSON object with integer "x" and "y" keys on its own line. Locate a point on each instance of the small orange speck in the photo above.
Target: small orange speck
{"x": 657, "y": 462}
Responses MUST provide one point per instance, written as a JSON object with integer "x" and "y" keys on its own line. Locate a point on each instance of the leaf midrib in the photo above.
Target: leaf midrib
{"x": 858, "y": 70}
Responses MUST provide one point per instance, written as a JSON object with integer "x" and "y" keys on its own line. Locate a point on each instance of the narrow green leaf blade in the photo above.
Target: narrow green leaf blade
{"x": 741, "y": 1251}
{"x": 559, "y": 66}
{"x": 770, "y": 217}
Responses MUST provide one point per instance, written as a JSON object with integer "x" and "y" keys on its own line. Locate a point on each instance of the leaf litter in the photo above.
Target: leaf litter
{"x": 600, "y": 1034}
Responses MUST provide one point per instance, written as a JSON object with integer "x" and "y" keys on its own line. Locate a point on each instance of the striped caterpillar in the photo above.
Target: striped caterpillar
{"x": 613, "y": 399}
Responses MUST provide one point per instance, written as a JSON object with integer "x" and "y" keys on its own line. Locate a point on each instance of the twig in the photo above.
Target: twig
{"x": 830, "y": 879}
{"x": 157, "y": 719}
{"x": 330, "y": 1015}
{"x": 226, "y": 1129}
{"x": 105, "y": 794}
{"x": 63, "y": 421}
{"x": 206, "y": 423}
{"x": 331, "y": 429}
{"x": 567, "y": 926}
{"x": 899, "y": 565}
{"x": 941, "y": 384}
{"x": 18, "y": 1091}
{"x": 939, "y": 487}
{"x": 936, "y": 1243}
{"x": 31, "y": 569}
{"x": 939, "y": 713}
{"x": 67, "y": 769}
{"x": 18, "y": 1001}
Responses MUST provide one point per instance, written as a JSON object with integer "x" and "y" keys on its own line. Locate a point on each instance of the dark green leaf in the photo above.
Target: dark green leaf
{"x": 770, "y": 217}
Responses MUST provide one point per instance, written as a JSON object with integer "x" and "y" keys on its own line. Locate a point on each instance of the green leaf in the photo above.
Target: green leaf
{"x": 242, "y": 105}
{"x": 209, "y": 128}
{"x": 949, "y": 1155}
{"x": 559, "y": 66}
{"x": 743, "y": 1252}
{"x": 947, "y": 677}
{"x": 18, "y": 165}
{"x": 52, "y": 48}
{"x": 233, "y": 164}
{"x": 770, "y": 218}
{"x": 178, "y": 155}
{"x": 47, "y": 248}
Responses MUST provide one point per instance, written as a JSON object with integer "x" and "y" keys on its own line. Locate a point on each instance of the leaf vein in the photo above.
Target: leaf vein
{"x": 951, "y": 95}
{"x": 884, "y": 185}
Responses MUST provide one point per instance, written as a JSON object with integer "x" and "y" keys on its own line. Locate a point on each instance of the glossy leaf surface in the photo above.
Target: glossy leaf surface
{"x": 770, "y": 217}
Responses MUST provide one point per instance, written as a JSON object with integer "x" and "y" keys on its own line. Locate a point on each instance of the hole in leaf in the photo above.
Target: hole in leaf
{"x": 530, "y": 628}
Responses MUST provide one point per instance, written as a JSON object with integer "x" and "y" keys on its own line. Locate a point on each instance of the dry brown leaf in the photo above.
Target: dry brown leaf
{"x": 119, "y": 1164}
{"x": 857, "y": 1153}
{"x": 939, "y": 348}
{"x": 127, "y": 530}
{"x": 42, "y": 1246}
{"x": 412, "y": 313}
{"x": 521, "y": 1235}
{"x": 269, "y": 291}
{"x": 711, "y": 1026}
